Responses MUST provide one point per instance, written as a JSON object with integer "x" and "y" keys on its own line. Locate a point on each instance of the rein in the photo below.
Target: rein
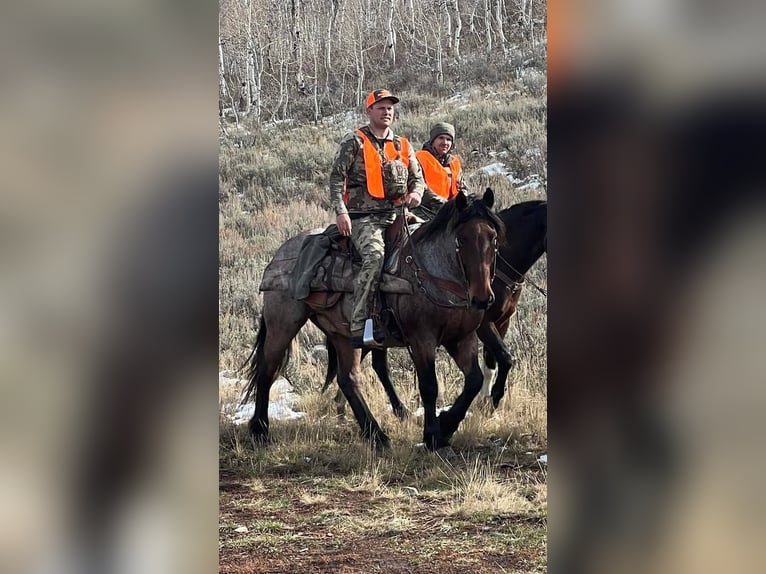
{"x": 446, "y": 284}
{"x": 516, "y": 284}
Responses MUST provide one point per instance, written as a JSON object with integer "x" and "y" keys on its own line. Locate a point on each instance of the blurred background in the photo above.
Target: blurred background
{"x": 108, "y": 160}
{"x": 656, "y": 313}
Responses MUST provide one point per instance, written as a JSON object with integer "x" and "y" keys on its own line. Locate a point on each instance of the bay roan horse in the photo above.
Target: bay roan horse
{"x": 526, "y": 230}
{"x": 455, "y": 249}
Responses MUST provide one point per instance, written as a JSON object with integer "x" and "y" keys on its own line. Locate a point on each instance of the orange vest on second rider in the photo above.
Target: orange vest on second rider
{"x": 436, "y": 175}
{"x": 373, "y": 163}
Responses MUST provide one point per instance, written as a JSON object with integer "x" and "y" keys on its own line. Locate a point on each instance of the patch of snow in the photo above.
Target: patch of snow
{"x": 532, "y": 181}
{"x": 542, "y": 459}
{"x": 496, "y": 168}
{"x": 530, "y": 185}
{"x": 420, "y": 411}
{"x": 347, "y": 120}
{"x": 282, "y": 399}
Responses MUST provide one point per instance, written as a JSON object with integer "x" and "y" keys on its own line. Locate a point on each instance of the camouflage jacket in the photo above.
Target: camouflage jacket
{"x": 348, "y": 174}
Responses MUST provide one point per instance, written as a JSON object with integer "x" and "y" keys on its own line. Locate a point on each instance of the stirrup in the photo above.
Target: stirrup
{"x": 370, "y": 338}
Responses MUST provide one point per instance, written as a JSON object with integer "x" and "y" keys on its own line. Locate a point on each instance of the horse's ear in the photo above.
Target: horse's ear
{"x": 461, "y": 201}
{"x": 489, "y": 198}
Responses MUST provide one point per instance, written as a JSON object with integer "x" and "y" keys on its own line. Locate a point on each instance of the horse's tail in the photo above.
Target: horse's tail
{"x": 255, "y": 362}
{"x": 332, "y": 363}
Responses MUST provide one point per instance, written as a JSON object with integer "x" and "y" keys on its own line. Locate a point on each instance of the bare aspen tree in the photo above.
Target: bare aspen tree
{"x": 391, "y": 32}
{"x": 452, "y": 6}
{"x": 472, "y": 18}
{"x": 444, "y": 9}
{"x": 360, "y": 71}
{"x": 257, "y": 84}
{"x": 223, "y": 88}
{"x": 284, "y": 92}
{"x": 488, "y": 25}
{"x": 524, "y": 15}
{"x": 499, "y": 4}
{"x": 329, "y": 45}
{"x": 296, "y": 11}
{"x": 249, "y": 83}
{"x": 337, "y": 47}
{"x": 439, "y": 64}
{"x": 313, "y": 39}
{"x": 315, "y": 55}
{"x": 282, "y": 99}
{"x": 221, "y": 78}
{"x": 433, "y": 29}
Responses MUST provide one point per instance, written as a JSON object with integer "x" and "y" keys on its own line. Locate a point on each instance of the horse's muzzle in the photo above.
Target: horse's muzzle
{"x": 482, "y": 304}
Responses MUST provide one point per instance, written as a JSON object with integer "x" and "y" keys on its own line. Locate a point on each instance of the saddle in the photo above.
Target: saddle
{"x": 326, "y": 264}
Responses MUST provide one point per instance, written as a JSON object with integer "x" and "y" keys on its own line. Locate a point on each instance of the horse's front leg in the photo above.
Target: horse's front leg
{"x": 466, "y": 356}
{"x": 495, "y": 347}
{"x": 424, "y": 357}
{"x": 506, "y": 362}
{"x": 348, "y": 380}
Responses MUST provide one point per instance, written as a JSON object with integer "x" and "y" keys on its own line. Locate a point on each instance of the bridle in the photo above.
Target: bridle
{"x": 516, "y": 284}
{"x": 422, "y": 276}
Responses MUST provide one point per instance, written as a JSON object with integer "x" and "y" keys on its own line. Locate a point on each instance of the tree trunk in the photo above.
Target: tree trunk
{"x": 391, "y": 32}
{"x": 224, "y": 90}
{"x": 488, "y": 25}
{"x": 499, "y": 24}
{"x": 248, "y": 84}
{"x": 456, "y": 31}
{"x": 296, "y": 27}
{"x": 360, "y": 71}
{"x": 328, "y": 48}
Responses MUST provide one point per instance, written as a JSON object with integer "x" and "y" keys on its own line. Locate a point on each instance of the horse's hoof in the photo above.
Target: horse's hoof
{"x": 434, "y": 442}
{"x": 381, "y": 442}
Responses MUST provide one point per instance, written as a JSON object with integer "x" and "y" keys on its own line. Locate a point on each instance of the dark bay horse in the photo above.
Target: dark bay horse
{"x": 526, "y": 230}
{"x": 451, "y": 262}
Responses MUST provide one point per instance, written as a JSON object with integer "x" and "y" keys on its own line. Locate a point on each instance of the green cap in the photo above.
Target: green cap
{"x": 442, "y": 128}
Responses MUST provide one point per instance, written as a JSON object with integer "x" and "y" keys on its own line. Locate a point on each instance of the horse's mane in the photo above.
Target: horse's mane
{"x": 519, "y": 210}
{"x": 449, "y": 217}
{"x": 514, "y": 217}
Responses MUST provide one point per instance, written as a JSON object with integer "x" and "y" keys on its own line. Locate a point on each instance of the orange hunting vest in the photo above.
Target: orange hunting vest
{"x": 437, "y": 176}
{"x": 373, "y": 164}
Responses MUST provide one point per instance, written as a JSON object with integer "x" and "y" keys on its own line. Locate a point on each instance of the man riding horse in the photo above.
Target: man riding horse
{"x": 373, "y": 172}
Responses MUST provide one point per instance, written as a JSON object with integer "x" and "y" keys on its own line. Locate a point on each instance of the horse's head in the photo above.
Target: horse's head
{"x": 526, "y": 226}
{"x": 477, "y": 233}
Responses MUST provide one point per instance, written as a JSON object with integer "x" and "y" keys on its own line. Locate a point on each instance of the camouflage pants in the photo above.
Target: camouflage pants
{"x": 368, "y": 236}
